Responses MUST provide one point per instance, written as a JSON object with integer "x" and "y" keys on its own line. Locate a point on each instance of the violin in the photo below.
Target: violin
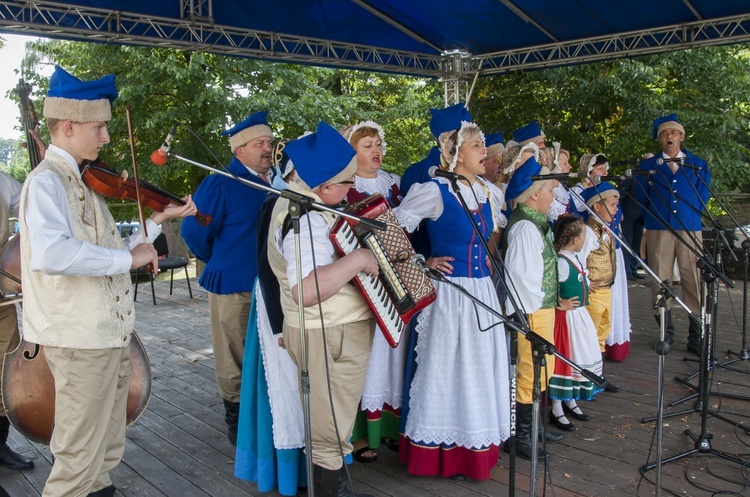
{"x": 109, "y": 182}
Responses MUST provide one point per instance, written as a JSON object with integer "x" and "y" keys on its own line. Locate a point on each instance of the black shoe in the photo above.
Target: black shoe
{"x": 556, "y": 420}
{"x": 523, "y": 450}
{"x": 13, "y": 460}
{"x": 582, "y": 416}
{"x": 457, "y": 477}
{"x": 638, "y": 276}
{"x": 104, "y": 492}
{"x": 694, "y": 349}
{"x": 549, "y": 436}
{"x": 344, "y": 490}
{"x": 611, "y": 387}
{"x": 232, "y": 417}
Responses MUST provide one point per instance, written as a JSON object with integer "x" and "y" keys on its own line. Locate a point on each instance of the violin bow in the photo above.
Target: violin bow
{"x": 129, "y": 114}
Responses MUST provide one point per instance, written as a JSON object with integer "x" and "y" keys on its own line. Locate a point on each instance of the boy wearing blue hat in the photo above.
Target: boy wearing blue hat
{"x": 531, "y": 269}
{"x": 338, "y": 323}
{"x": 228, "y": 248}
{"x": 601, "y": 259}
{"x": 676, "y": 195}
{"x": 71, "y": 249}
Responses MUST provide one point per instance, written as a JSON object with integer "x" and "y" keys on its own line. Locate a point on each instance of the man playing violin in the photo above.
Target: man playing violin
{"x": 77, "y": 289}
{"x": 228, "y": 247}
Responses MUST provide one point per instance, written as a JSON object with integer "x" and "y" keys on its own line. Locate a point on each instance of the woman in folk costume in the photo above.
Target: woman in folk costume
{"x": 575, "y": 334}
{"x": 380, "y": 414}
{"x": 271, "y": 427}
{"x": 617, "y": 346}
{"x": 563, "y": 202}
{"x": 459, "y": 408}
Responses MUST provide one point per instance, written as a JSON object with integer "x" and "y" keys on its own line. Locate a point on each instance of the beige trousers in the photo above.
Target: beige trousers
{"x": 600, "y": 310}
{"x": 541, "y": 322}
{"x": 9, "y": 340}
{"x": 663, "y": 250}
{"x": 348, "y": 353}
{"x": 91, "y": 394}
{"x": 229, "y": 314}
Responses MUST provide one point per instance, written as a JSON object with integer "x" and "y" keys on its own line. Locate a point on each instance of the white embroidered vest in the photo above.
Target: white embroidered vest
{"x": 83, "y": 312}
{"x": 345, "y": 307}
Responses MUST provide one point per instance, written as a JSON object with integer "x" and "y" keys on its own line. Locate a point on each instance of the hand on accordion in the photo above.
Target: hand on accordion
{"x": 367, "y": 260}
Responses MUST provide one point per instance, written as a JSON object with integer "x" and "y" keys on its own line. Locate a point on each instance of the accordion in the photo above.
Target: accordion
{"x": 401, "y": 289}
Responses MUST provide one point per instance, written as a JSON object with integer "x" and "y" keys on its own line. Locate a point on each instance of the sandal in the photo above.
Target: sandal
{"x": 359, "y": 455}
{"x": 391, "y": 443}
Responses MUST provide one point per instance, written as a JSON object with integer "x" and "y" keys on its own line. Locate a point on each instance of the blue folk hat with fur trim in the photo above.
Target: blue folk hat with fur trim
{"x": 80, "y": 101}
{"x": 597, "y": 193}
{"x": 521, "y": 180}
{"x": 528, "y": 133}
{"x": 448, "y": 119}
{"x": 251, "y": 128}
{"x": 322, "y": 157}
{"x": 666, "y": 122}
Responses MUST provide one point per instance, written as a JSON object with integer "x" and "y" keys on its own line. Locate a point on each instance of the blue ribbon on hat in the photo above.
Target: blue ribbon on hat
{"x": 448, "y": 119}
{"x": 65, "y": 85}
{"x": 531, "y": 130}
{"x": 320, "y": 156}
{"x": 490, "y": 140}
{"x": 521, "y": 179}
{"x": 252, "y": 120}
{"x": 661, "y": 120}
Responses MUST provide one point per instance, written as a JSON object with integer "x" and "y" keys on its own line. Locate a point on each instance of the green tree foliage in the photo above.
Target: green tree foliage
{"x": 208, "y": 93}
{"x": 609, "y": 107}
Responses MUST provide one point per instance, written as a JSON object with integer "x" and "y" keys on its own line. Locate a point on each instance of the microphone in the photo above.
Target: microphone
{"x": 418, "y": 260}
{"x": 626, "y": 162}
{"x": 661, "y": 160}
{"x": 159, "y": 156}
{"x": 436, "y": 172}
{"x": 542, "y": 177}
{"x": 629, "y": 173}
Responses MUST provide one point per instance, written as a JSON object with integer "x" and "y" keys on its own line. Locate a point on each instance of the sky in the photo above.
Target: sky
{"x": 10, "y": 62}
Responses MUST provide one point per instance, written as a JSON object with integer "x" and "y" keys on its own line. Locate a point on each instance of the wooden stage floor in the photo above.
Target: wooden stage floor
{"x": 178, "y": 447}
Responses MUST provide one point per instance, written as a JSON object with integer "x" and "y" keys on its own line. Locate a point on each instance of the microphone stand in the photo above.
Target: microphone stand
{"x": 521, "y": 314}
{"x": 744, "y": 352}
{"x": 666, "y": 291}
{"x": 540, "y": 348}
{"x": 298, "y": 205}
{"x": 702, "y": 442}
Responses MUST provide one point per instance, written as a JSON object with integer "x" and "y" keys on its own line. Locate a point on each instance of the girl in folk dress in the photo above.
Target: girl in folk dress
{"x": 575, "y": 334}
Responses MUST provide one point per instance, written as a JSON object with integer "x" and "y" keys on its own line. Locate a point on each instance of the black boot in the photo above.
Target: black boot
{"x": 552, "y": 437}
{"x": 344, "y": 490}
{"x": 8, "y": 457}
{"x": 694, "y": 337}
{"x": 668, "y": 328}
{"x": 104, "y": 492}
{"x": 325, "y": 481}
{"x": 232, "y": 418}
{"x": 523, "y": 434}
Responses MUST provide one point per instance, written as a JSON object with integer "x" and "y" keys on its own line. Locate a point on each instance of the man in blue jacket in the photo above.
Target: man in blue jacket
{"x": 227, "y": 246}
{"x": 676, "y": 195}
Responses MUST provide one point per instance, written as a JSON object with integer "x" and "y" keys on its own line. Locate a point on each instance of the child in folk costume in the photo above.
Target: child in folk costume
{"x": 601, "y": 259}
{"x": 531, "y": 274}
{"x": 617, "y": 343}
{"x": 575, "y": 334}
{"x": 379, "y": 417}
{"x": 459, "y": 406}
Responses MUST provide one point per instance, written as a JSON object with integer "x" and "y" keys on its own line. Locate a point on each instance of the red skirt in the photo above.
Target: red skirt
{"x": 431, "y": 460}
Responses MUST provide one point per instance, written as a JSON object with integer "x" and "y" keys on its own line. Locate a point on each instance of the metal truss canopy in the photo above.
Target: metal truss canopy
{"x": 405, "y": 39}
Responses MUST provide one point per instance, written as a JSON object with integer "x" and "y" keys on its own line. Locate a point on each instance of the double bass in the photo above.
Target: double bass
{"x": 28, "y": 386}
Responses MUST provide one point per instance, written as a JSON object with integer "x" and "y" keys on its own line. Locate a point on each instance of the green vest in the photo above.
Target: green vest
{"x": 573, "y": 286}
{"x": 549, "y": 279}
